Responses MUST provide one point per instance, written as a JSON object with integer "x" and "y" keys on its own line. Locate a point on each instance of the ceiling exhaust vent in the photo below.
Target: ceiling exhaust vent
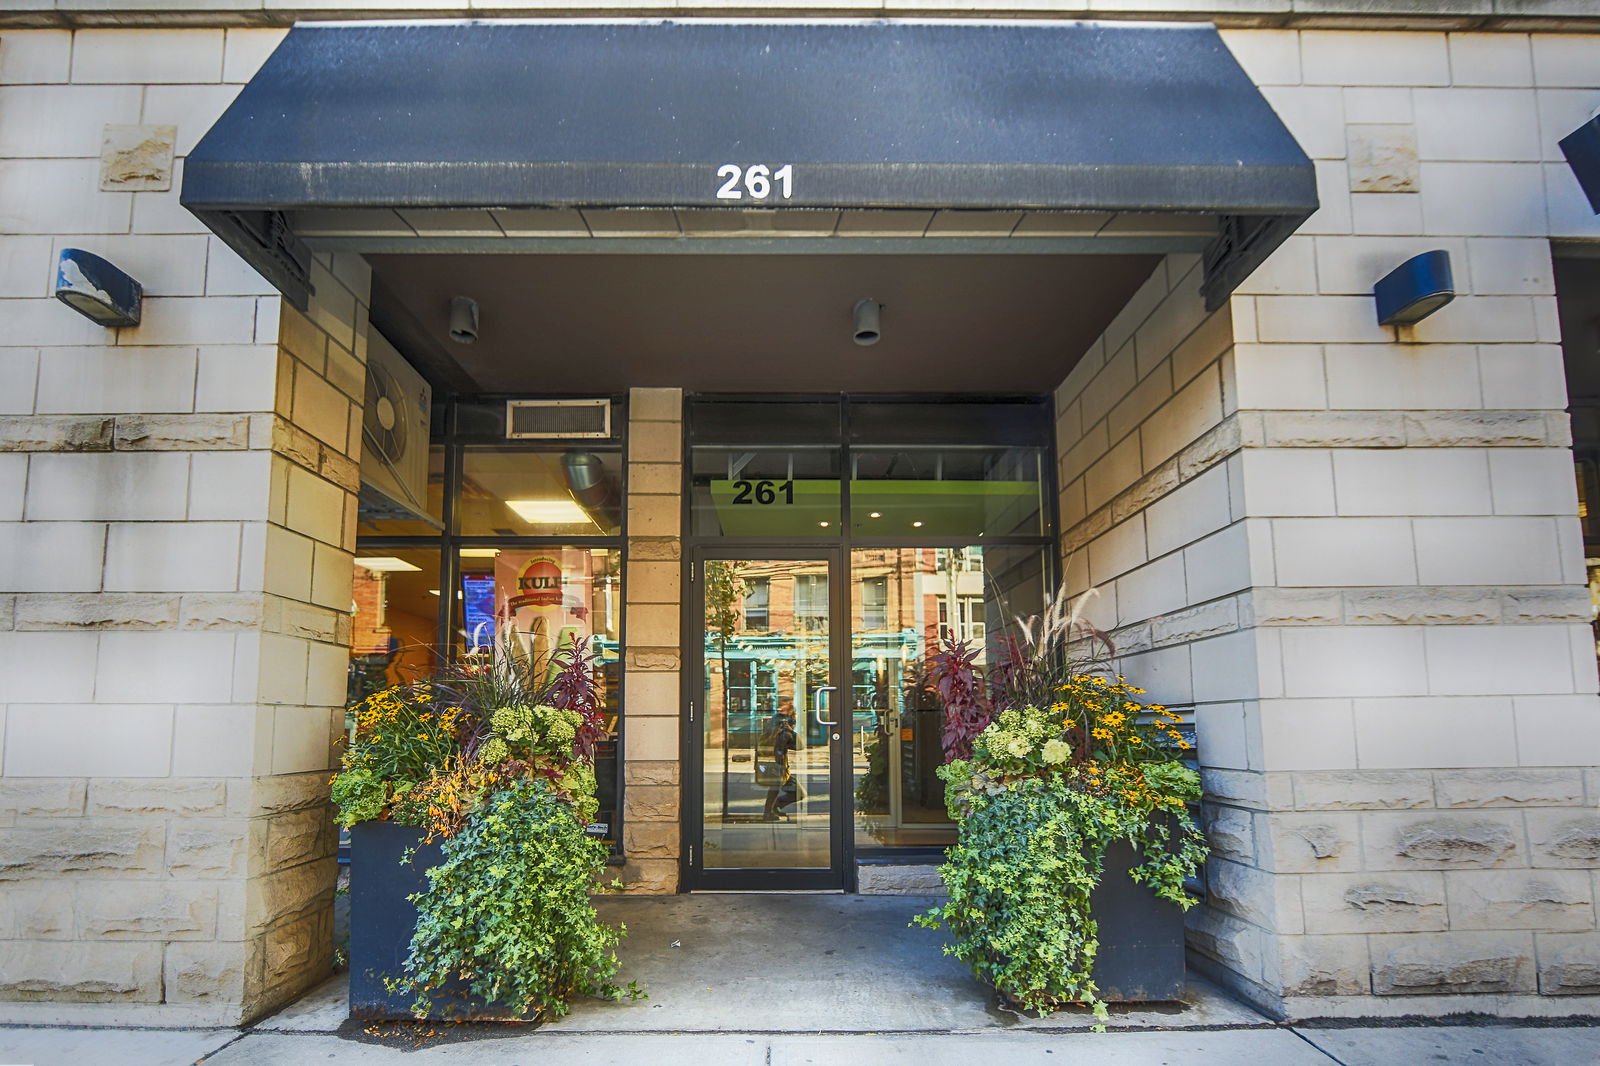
{"x": 557, "y": 419}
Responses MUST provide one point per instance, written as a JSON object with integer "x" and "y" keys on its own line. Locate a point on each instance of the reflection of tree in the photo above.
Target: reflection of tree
{"x": 726, "y": 589}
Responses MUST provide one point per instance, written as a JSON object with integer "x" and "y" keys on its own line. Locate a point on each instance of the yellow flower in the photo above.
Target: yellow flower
{"x": 1133, "y": 740}
{"x": 1102, "y": 734}
{"x": 1185, "y": 745}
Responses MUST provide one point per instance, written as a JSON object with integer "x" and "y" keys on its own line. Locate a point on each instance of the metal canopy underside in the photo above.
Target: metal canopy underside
{"x": 1037, "y": 116}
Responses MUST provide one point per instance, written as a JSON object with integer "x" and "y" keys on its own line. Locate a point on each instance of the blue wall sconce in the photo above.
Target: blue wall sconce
{"x": 1582, "y": 149}
{"x": 97, "y": 290}
{"x": 1415, "y": 289}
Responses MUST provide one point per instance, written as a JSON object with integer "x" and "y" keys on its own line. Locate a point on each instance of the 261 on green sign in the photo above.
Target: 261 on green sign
{"x": 762, "y": 492}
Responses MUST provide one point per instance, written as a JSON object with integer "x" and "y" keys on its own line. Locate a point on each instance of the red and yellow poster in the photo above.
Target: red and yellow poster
{"x": 543, "y": 596}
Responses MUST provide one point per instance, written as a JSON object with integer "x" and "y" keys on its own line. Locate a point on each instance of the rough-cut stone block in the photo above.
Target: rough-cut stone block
{"x": 232, "y": 610}
{"x": 1231, "y": 832}
{"x": 108, "y": 610}
{"x": 1451, "y": 963}
{"x": 655, "y": 405}
{"x": 1333, "y": 429}
{"x": 1383, "y": 158}
{"x": 645, "y": 549}
{"x": 288, "y": 895}
{"x": 290, "y": 950}
{"x": 137, "y": 158}
{"x": 1421, "y": 606}
{"x": 1465, "y": 429}
{"x": 277, "y": 794}
{"x": 65, "y": 433}
{"x": 183, "y": 433}
{"x": 212, "y": 848}
{"x": 42, "y": 797}
{"x": 663, "y": 659}
{"x": 652, "y": 802}
{"x": 1296, "y": 607}
{"x": 1441, "y": 841}
{"x": 1569, "y": 964}
{"x": 1356, "y": 790}
{"x": 1536, "y": 606}
{"x": 899, "y": 880}
{"x": 1231, "y": 941}
{"x": 37, "y": 910}
{"x": 1563, "y": 837}
{"x": 62, "y": 971}
{"x": 650, "y": 877}
{"x": 155, "y": 797}
{"x": 1243, "y": 891}
{"x": 1314, "y": 842}
{"x": 1509, "y": 788}
{"x": 651, "y": 839}
{"x": 1195, "y": 623}
{"x": 299, "y": 836}
{"x": 100, "y": 847}
{"x": 1324, "y": 965}
{"x": 205, "y": 973}
{"x": 1396, "y": 902}
{"x": 147, "y": 911}
{"x": 650, "y": 773}
{"x": 1545, "y": 900}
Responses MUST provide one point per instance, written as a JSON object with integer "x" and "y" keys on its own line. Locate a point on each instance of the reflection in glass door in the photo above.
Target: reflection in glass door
{"x": 764, "y": 719}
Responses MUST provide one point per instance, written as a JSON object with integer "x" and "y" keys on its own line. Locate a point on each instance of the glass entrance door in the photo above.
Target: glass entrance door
{"x": 767, "y": 747}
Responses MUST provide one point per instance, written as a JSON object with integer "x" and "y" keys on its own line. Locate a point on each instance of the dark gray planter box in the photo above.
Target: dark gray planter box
{"x": 1141, "y": 935}
{"x": 382, "y": 921}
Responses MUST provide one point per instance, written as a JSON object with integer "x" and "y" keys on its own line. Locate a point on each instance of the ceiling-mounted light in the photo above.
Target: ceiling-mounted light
{"x": 866, "y": 321}
{"x": 549, "y": 512}
{"x": 479, "y": 553}
{"x": 385, "y": 564}
{"x": 463, "y": 320}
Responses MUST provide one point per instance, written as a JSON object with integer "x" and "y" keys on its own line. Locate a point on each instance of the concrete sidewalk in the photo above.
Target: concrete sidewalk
{"x": 789, "y": 980}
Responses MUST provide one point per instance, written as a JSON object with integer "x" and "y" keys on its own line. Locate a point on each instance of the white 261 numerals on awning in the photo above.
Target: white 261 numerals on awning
{"x": 758, "y": 181}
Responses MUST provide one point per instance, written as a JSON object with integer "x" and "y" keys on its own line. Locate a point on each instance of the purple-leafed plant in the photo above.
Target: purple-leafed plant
{"x": 573, "y": 689}
{"x": 953, "y": 669}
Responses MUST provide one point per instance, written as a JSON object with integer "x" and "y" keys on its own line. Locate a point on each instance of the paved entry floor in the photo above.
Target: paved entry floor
{"x": 808, "y": 962}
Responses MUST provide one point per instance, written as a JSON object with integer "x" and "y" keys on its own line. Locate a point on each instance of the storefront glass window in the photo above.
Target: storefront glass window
{"x": 897, "y": 728}
{"x": 946, "y": 492}
{"x": 517, "y": 492}
{"x": 774, "y": 492}
{"x": 395, "y": 618}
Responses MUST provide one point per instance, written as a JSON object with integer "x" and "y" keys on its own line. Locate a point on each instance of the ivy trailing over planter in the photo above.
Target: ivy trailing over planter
{"x": 508, "y": 911}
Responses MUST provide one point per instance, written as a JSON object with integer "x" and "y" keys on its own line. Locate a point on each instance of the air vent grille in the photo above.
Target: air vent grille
{"x": 557, "y": 419}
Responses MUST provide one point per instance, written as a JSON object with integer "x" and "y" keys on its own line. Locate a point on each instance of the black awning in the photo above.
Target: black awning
{"x": 836, "y": 114}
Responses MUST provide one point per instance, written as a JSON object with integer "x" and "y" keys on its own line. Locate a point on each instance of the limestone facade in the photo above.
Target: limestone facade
{"x": 1353, "y": 550}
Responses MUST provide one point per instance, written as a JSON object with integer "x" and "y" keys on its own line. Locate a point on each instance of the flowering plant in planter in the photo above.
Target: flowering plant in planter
{"x": 495, "y": 762}
{"x": 1051, "y": 761}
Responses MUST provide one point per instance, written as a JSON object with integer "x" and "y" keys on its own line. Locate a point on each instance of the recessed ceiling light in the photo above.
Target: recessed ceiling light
{"x": 479, "y": 553}
{"x": 824, "y": 525}
{"x": 549, "y": 512}
{"x": 917, "y": 525}
{"x": 383, "y": 564}
{"x": 875, "y": 514}
{"x": 433, "y": 592}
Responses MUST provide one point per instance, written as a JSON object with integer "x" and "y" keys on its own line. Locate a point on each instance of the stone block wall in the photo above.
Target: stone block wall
{"x": 1396, "y": 707}
{"x": 176, "y": 518}
{"x": 652, "y": 585}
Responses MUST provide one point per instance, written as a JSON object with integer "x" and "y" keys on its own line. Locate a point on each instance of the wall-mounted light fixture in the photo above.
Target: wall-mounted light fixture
{"x": 1415, "y": 289}
{"x": 97, "y": 290}
{"x": 463, "y": 320}
{"x": 1582, "y": 149}
{"x": 865, "y": 318}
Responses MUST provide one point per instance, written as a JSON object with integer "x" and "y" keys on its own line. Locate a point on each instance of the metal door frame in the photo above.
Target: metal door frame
{"x": 839, "y": 876}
